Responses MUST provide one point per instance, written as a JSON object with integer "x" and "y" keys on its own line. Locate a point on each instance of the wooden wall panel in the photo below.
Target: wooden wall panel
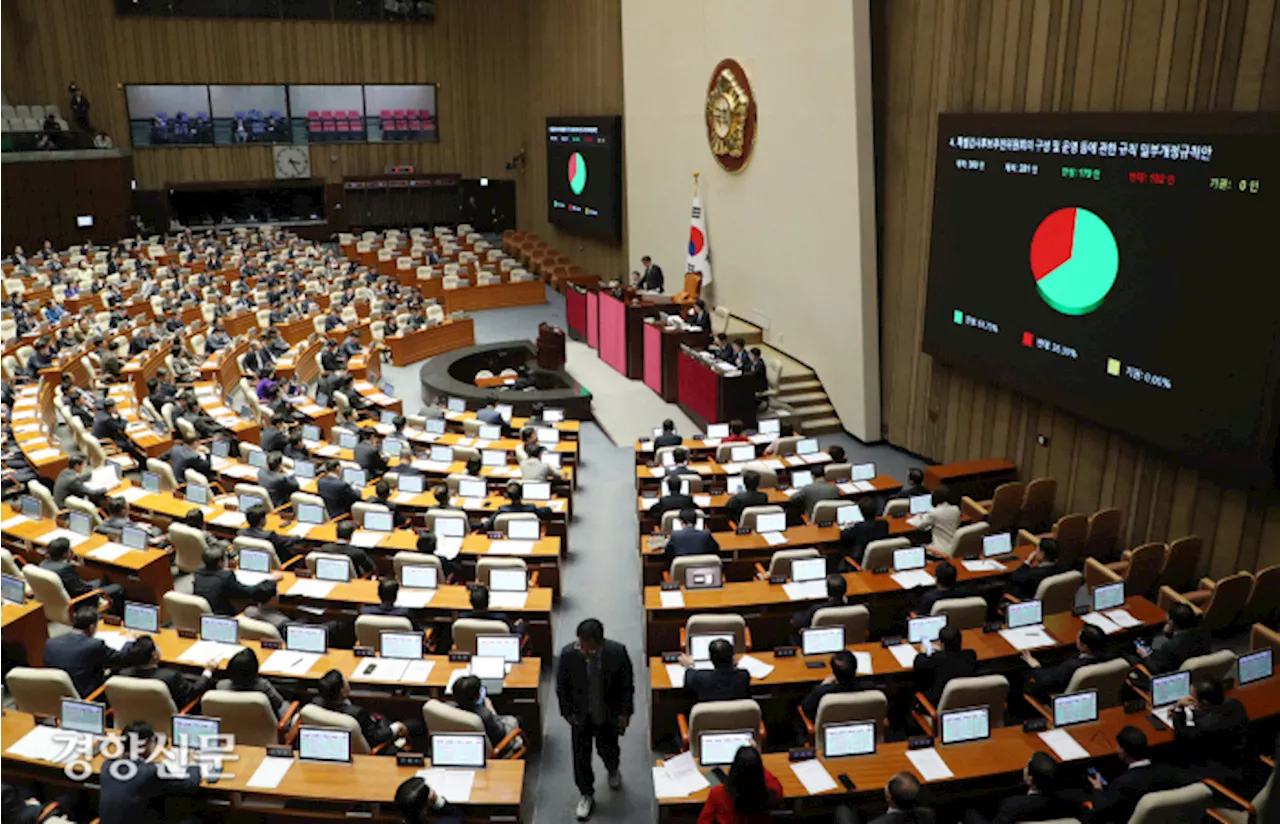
{"x": 1057, "y": 55}
{"x": 41, "y": 200}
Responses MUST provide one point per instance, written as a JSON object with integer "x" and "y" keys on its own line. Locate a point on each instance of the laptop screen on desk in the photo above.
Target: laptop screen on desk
{"x": 720, "y": 748}
{"x": 311, "y": 513}
{"x": 862, "y": 472}
{"x": 141, "y": 617}
{"x": 523, "y": 529}
{"x": 771, "y": 522}
{"x": 410, "y": 484}
{"x": 450, "y": 527}
{"x": 83, "y": 716}
{"x": 493, "y": 457}
{"x": 921, "y": 504}
{"x": 845, "y": 740}
{"x": 808, "y": 569}
{"x": 1075, "y": 708}
{"x": 333, "y": 569}
{"x": 434, "y": 426}
{"x": 1108, "y": 596}
{"x": 377, "y": 521}
{"x": 244, "y": 503}
{"x": 13, "y": 589}
{"x": 848, "y": 515}
{"x": 822, "y": 640}
{"x": 966, "y": 725}
{"x": 908, "y": 558}
{"x": 197, "y": 494}
{"x": 304, "y": 470}
{"x": 925, "y": 628}
{"x": 150, "y": 482}
{"x": 221, "y": 449}
{"x": 355, "y": 477}
{"x": 134, "y": 537}
{"x": 548, "y": 436}
{"x": 196, "y": 731}
{"x": 258, "y": 458}
{"x": 551, "y": 415}
{"x": 457, "y": 405}
{"x": 324, "y": 744}
{"x": 703, "y": 577}
{"x": 769, "y": 426}
{"x": 508, "y": 580}
{"x": 993, "y": 545}
{"x": 400, "y": 644}
{"x": 1171, "y": 688}
{"x": 1256, "y": 666}
{"x": 79, "y": 522}
{"x": 418, "y": 576}
{"x": 302, "y": 638}
{"x": 470, "y": 488}
{"x": 537, "y": 490}
{"x": 801, "y": 478}
{"x": 458, "y": 750}
{"x": 808, "y": 446}
{"x": 346, "y": 438}
{"x": 221, "y": 630}
{"x": 490, "y": 431}
{"x": 1025, "y": 614}
{"x": 255, "y": 560}
{"x": 442, "y": 454}
{"x": 734, "y": 484}
{"x": 717, "y": 430}
{"x": 310, "y": 432}
{"x": 700, "y": 644}
{"x": 742, "y": 454}
{"x": 506, "y": 647}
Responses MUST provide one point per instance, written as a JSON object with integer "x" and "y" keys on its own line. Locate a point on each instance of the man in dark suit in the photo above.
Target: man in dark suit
{"x": 1091, "y": 645}
{"x": 651, "y": 279}
{"x": 949, "y": 660}
{"x": 71, "y": 481}
{"x": 1041, "y": 564}
{"x": 184, "y": 455}
{"x": 220, "y": 586}
{"x": 674, "y": 500}
{"x": 135, "y": 795}
{"x": 903, "y": 794}
{"x": 945, "y": 575}
{"x": 843, "y": 678}
{"x": 668, "y": 436}
{"x": 368, "y": 453}
{"x": 1182, "y": 639}
{"x": 749, "y": 496}
{"x": 342, "y": 546}
{"x": 915, "y": 484}
{"x": 809, "y": 495}
{"x": 479, "y": 596}
{"x": 753, "y": 369}
{"x": 109, "y": 424}
{"x": 723, "y": 682}
{"x": 690, "y": 540}
{"x": 338, "y": 495}
{"x": 284, "y": 544}
{"x": 144, "y": 660}
{"x": 517, "y": 503}
{"x": 1042, "y": 801}
{"x": 681, "y": 466}
{"x": 80, "y": 655}
{"x": 388, "y": 591}
{"x": 1115, "y": 802}
{"x": 59, "y": 561}
{"x": 257, "y": 361}
{"x": 595, "y": 688}
{"x": 698, "y": 315}
{"x": 1212, "y": 734}
{"x": 837, "y": 592}
{"x": 856, "y": 537}
{"x": 273, "y": 437}
{"x": 419, "y": 804}
{"x": 279, "y": 486}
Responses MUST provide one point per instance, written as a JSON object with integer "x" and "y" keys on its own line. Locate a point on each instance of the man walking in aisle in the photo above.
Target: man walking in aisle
{"x": 596, "y": 690}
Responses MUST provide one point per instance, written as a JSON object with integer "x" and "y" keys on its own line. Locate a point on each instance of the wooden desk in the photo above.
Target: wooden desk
{"x": 241, "y": 322}
{"x": 152, "y": 443}
{"x": 709, "y": 397}
{"x": 328, "y": 791}
{"x": 297, "y": 329}
{"x": 25, "y": 625}
{"x": 494, "y": 296}
{"x": 210, "y": 398}
{"x": 299, "y": 363}
{"x": 568, "y": 428}
{"x": 662, "y": 356}
{"x": 222, "y": 367}
{"x": 411, "y": 347}
{"x": 713, "y": 471}
{"x": 32, "y": 419}
{"x": 974, "y": 478}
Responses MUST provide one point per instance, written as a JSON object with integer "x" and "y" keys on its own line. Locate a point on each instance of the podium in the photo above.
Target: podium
{"x": 662, "y": 356}
{"x": 550, "y": 347}
{"x": 707, "y": 396}
{"x": 622, "y": 328}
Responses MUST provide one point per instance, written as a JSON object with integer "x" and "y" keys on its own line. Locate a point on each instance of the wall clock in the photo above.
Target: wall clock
{"x": 292, "y": 162}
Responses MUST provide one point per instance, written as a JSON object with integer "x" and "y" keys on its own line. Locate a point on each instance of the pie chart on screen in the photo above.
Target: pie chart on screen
{"x": 1075, "y": 260}
{"x": 577, "y": 173}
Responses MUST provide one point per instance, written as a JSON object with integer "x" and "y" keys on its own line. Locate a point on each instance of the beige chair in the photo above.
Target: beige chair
{"x": 1181, "y": 560}
{"x": 780, "y": 562}
{"x": 255, "y": 490}
{"x": 825, "y": 511}
{"x": 669, "y": 518}
{"x": 369, "y": 628}
{"x": 261, "y": 545}
{"x": 1070, "y": 532}
{"x": 717, "y": 623}
{"x": 968, "y": 540}
{"x": 40, "y": 690}
{"x": 1139, "y": 568}
{"x": 407, "y": 558}
{"x": 718, "y": 716}
{"x": 855, "y": 619}
{"x": 1218, "y": 603}
{"x": 962, "y": 613}
{"x": 77, "y": 504}
{"x": 845, "y": 708}
{"x": 1263, "y": 637}
{"x": 313, "y": 557}
{"x": 435, "y": 514}
{"x": 8, "y": 565}
{"x": 49, "y": 591}
{"x": 312, "y": 715}
{"x": 1261, "y": 808}
{"x": 188, "y": 546}
{"x": 48, "y": 509}
{"x": 1104, "y": 531}
{"x": 680, "y": 565}
{"x": 359, "y": 509}
{"x": 1108, "y": 678}
{"x": 1057, "y": 593}
{"x": 305, "y": 498}
{"x": 751, "y": 513}
{"x": 168, "y": 483}
{"x": 897, "y": 508}
{"x": 879, "y": 554}
{"x": 768, "y": 476}
{"x": 787, "y": 445}
{"x": 440, "y": 717}
{"x": 193, "y": 478}
{"x": 1185, "y": 805}
{"x": 1001, "y": 512}
{"x": 141, "y": 699}
{"x": 502, "y": 522}
{"x": 465, "y": 631}
{"x": 247, "y": 716}
{"x": 1264, "y": 597}
{"x": 487, "y": 564}
{"x": 990, "y": 691}
{"x": 185, "y": 610}
{"x": 1214, "y": 665}
{"x": 1037, "y": 503}
{"x": 254, "y": 630}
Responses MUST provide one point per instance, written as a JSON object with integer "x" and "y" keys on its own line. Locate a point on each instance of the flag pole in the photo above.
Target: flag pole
{"x": 695, "y": 183}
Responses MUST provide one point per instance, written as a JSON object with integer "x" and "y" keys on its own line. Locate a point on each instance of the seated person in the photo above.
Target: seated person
{"x": 533, "y": 468}
{"x": 61, "y": 562}
{"x": 903, "y": 795}
{"x": 674, "y": 499}
{"x": 388, "y": 591}
{"x": 117, "y": 512}
{"x": 668, "y": 436}
{"x": 1043, "y": 801}
{"x": 242, "y": 676}
{"x": 132, "y": 793}
{"x": 1091, "y": 646}
{"x": 195, "y": 519}
{"x": 749, "y": 496}
{"x": 368, "y": 453}
{"x": 837, "y": 592}
{"x": 681, "y": 465}
{"x": 915, "y": 484}
{"x": 856, "y": 537}
{"x": 947, "y": 660}
{"x": 285, "y": 545}
{"x": 725, "y": 681}
{"x": 343, "y": 546}
{"x": 466, "y": 692}
{"x": 943, "y": 520}
{"x": 737, "y": 432}
{"x": 843, "y": 678}
{"x": 338, "y": 495}
{"x": 516, "y": 502}
{"x": 689, "y": 540}
{"x": 945, "y": 574}
{"x": 220, "y": 586}
{"x": 785, "y": 430}
{"x": 333, "y": 694}
{"x": 143, "y": 658}
{"x": 419, "y": 804}
{"x": 1180, "y": 640}
{"x": 80, "y": 655}
{"x": 1114, "y": 802}
{"x": 279, "y": 485}
{"x": 452, "y": 569}
{"x": 1211, "y": 733}
{"x": 479, "y": 594}
{"x": 1041, "y": 564}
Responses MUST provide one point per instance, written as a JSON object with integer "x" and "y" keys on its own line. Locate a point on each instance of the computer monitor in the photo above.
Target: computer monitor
{"x": 847, "y": 740}
{"x": 197, "y": 494}
{"x": 505, "y": 410}
{"x": 488, "y": 668}
{"x": 397, "y": 644}
{"x": 552, "y": 415}
{"x": 1025, "y": 614}
{"x": 134, "y": 537}
{"x": 220, "y": 630}
{"x": 441, "y": 454}
{"x": 324, "y": 744}
{"x": 410, "y": 484}
{"x": 862, "y": 472}
{"x": 808, "y": 569}
{"x": 960, "y": 726}
{"x": 258, "y": 458}
{"x": 141, "y": 617}
{"x": 304, "y": 470}
{"x": 387, "y": 417}
{"x": 506, "y": 647}
{"x": 418, "y": 576}
{"x": 456, "y": 405}
{"x": 12, "y": 589}
{"x": 197, "y": 732}
{"x": 378, "y": 521}
{"x": 993, "y": 545}
{"x": 551, "y": 459}
{"x": 718, "y": 430}
{"x": 524, "y": 529}
{"x": 333, "y": 569}
{"x": 801, "y": 478}
{"x": 1256, "y": 666}
{"x": 80, "y": 522}
{"x": 821, "y": 640}
{"x": 807, "y": 446}
{"x": 150, "y": 482}
{"x": 1075, "y": 708}
{"x": 508, "y": 580}
{"x": 536, "y": 490}
{"x": 1108, "y": 596}
{"x": 472, "y": 488}
{"x": 548, "y": 436}
{"x": 703, "y": 577}
{"x": 908, "y": 558}
{"x": 310, "y": 432}
{"x": 255, "y": 560}
{"x": 322, "y": 399}
{"x": 31, "y": 505}
{"x": 734, "y": 484}
{"x": 354, "y": 477}
{"x": 848, "y": 515}
{"x": 306, "y": 638}
{"x": 245, "y": 502}
{"x": 771, "y": 522}
{"x": 921, "y": 504}
{"x": 925, "y": 628}
{"x": 493, "y": 457}
{"x": 458, "y": 749}
{"x": 700, "y": 644}
{"x": 346, "y": 438}
{"x": 490, "y": 432}
{"x": 221, "y": 449}
{"x": 741, "y": 453}
{"x": 769, "y": 426}
{"x": 657, "y": 432}
{"x": 718, "y": 749}
{"x": 392, "y": 447}
{"x": 434, "y": 426}
{"x": 1171, "y": 688}
{"x": 83, "y": 716}
{"x": 310, "y": 513}
{"x": 450, "y": 527}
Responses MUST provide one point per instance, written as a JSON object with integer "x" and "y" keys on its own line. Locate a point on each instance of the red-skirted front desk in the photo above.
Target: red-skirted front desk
{"x": 575, "y": 310}
{"x": 662, "y": 356}
{"x": 621, "y": 330}
{"x": 707, "y": 396}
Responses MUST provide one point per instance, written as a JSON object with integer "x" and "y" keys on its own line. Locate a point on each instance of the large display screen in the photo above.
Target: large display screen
{"x": 1117, "y": 266}
{"x": 584, "y": 175}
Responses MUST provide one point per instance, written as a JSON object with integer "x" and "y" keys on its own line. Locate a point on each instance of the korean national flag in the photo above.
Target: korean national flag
{"x": 699, "y": 248}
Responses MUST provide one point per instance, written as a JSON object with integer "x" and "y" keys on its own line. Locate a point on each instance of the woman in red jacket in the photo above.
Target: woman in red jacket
{"x": 746, "y": 797}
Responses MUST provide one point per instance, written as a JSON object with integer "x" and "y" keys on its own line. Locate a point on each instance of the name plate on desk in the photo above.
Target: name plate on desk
{"x": 459, "y": 656}
{"x": 410, "y": 759}
{"x": 362, "y": 652}
{"x": 777, "y": 579}
{"x": 188, "y": 633}
{"x": 279, "y": 752}
{"x": 801, "y": 754}
{"x": 785, "y": 652}
{"x": 924, "y": 742}
{"x": 670, "y": 586}
{"x": 302, "y": 573}
{"x": 267, "y": 643}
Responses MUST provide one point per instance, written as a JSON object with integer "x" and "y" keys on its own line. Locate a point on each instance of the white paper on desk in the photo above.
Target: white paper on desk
{"x": 481, "y": 443}
{"x": 864, "y": 663}
{"x": 310, "y": 588}
{"x": 108, "y": 552}
{"x": 759, "y": 439}
{"x": 929, "y": 764}
{"x": 25, "y": 428}
{"x": 104, "y": 477}
{"x": 1025, "y": 638}
{"x": 915, "y": 521}
{"x": 508, "y": 600}
{"x": 329, "y": 450}
{"x": 366, "y": 538}
{"x": 507, "y": 547}
{"x": 817, "y": 457}
{"x": 16, "y": 520}
{"x": 557, "y": 505}
{"x": 134, "y": 494}
{"x": 1063, "y": 745}
{"x": 203, "y": 651}
{"x": 806, "y": 591}
{"x": 414, "y": 598}
{"x": 983, "y": 565}
{"x": 46, "y": 744}
{"x": 663, "y": 786}
{"x": 241, "y": 471}
{"x": 702, "y": 500}
{"x": 470, "y": 503}
{"x": 431, "y": 466}
{"x": 1101, "y": 621}
{"x": 864, "y": 486}
{"x": 228, "y": 519}
{"x": 288, "y": 662}
{"x": 460, "y": 672}
{"x": 672, "y": 599}
{"x": 299, "y": 529}
{"x": 675, "y": 673}
{"x": 684, "y": 772}
{"x": 759, "y": 669}
{"x": 846, "y": 488}
{"x": 402, "y": 498}
{"x": 647, "y": 504}
{"x": 249, "y": 578}
{"x": 452, "y": 785}
{"x": 711, "y": 442}
{"x": 417, "y": 672}
{"x": 913, "y": 578}
{"x": 75, "y": 538}
{"x": 657, "y": 471}
{"x": 1165, "y": 714}
{"x": 44, "y": 454}
{"x": 732, "y": 468}
{"x": 1124, "y": 618}
{"x": 270, "y": 773}
{"x": 384, "y": 669}
{"x": 791, "y": 493}
{"x": 813, "y": 776}
{"x": 905, "y": 653}
{"x": 116, "y": 640}
{"x": 774, "y": 538}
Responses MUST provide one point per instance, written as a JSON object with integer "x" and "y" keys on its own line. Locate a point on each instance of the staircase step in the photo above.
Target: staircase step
{"x": 801, "y": 383}
{"x": 822, "y": 426}
{"x": 802, "y": 398}
{"x": 810, "y": 413}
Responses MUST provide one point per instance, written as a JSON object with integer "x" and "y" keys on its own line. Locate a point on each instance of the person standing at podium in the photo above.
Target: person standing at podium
{"x": 650, "y": 278}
